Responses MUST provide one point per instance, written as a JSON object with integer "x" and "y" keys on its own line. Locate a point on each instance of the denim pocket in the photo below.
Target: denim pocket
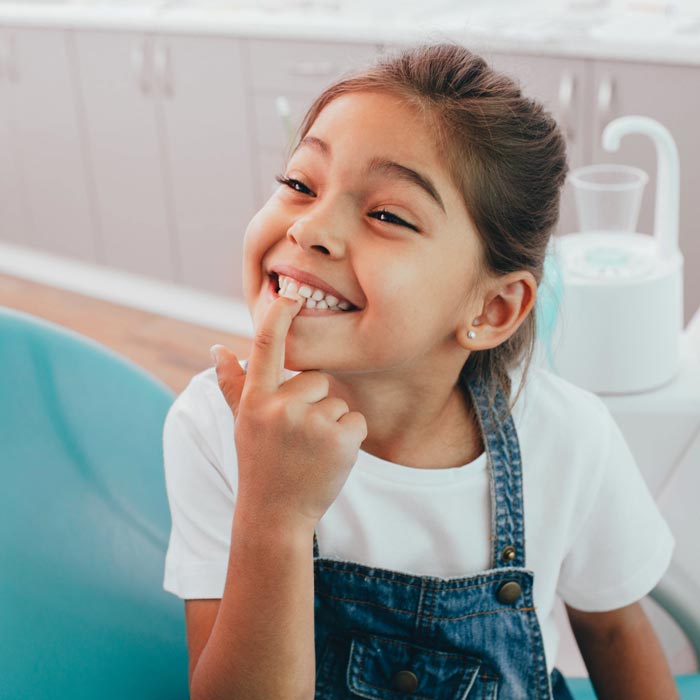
{"x": 381, "y": 668}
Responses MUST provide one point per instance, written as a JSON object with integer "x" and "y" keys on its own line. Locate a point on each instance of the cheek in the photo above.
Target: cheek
{"x": 262, "y": 233}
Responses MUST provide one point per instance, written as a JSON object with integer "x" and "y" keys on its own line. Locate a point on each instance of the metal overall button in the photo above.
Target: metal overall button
{"x": 508, "y": 592}
{"x": 508, "y": 553}
{"x": 405, "y": 681}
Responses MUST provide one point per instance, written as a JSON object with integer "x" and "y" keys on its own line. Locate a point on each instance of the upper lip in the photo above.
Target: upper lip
{"x": 308, "y": 278}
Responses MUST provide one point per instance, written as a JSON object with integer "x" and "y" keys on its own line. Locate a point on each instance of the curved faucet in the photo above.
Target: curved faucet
{"x": 667, "y": 177}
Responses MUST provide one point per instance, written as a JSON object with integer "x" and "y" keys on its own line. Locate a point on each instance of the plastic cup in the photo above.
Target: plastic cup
{"x": 608, "y": 197}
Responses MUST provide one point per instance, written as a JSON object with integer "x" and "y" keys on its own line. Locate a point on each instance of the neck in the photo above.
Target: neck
{"x": 423, "y": 423}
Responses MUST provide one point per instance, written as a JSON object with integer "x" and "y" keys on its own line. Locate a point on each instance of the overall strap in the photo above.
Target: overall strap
{"x": 505, "y": 474}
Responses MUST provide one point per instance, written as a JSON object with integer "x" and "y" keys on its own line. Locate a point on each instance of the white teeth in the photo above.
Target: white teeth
{"x": 316, "y": 298}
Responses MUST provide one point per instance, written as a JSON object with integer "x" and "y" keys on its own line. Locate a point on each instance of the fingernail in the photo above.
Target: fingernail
{"x": 214, "y": 351}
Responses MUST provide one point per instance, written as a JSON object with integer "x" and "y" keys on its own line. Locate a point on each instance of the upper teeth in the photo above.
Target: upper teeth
{"x": 315, "y": 298}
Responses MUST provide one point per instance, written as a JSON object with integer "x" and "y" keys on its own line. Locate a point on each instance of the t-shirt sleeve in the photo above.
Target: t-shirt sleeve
{"x": 201, "y": 496}
{"x": 623, "y": 545}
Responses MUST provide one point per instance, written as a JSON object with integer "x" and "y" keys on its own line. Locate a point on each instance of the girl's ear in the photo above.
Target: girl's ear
{"x": 506, "y": 305}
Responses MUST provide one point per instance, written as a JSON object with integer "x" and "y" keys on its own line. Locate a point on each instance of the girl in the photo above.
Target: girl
{"x": 365, "y": 508}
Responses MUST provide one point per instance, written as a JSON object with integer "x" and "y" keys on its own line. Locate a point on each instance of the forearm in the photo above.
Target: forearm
{"x": 627, "y": 663}
{"x": 262, "y": 643}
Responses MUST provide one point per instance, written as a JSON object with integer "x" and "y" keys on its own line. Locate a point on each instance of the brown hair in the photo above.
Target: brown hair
{"x": 504, "y": 153}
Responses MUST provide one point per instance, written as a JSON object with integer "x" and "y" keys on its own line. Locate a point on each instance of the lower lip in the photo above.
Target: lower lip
{"x": 272, "y": 294}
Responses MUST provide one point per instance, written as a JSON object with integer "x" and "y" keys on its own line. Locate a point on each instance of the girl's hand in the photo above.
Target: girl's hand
{"x": 295, "y": 444}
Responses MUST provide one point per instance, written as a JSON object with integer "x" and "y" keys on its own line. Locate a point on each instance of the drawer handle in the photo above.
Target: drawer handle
{"x": 606, "y": 91}
{"x": 4, "y": 56}
{"x": 139, "y": 67}
{"x": 8, "y": 59}
{"x": 284, "y": 112}
{"x": 567, "y": 88}
{"x": 162, "y": 66}
{"x": 313, "y": 68}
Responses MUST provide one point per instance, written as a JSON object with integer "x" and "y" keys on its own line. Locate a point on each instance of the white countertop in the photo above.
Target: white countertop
{"x": 634, "y": 36}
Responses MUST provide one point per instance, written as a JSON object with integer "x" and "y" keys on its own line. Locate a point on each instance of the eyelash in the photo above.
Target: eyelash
{"x": 291, "y": 183}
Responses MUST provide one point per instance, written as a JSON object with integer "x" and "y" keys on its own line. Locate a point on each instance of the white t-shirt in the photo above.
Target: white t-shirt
{"x": 594, "y": 536}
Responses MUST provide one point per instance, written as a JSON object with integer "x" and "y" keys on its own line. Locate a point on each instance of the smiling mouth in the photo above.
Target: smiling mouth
{"x": 315, "y": 300}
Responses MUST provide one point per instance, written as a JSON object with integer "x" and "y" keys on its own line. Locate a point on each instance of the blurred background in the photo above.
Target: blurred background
{"x": 138, "y": 138}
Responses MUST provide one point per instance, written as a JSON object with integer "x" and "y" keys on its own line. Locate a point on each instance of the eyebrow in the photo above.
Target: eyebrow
{"x": 382, "y": 165}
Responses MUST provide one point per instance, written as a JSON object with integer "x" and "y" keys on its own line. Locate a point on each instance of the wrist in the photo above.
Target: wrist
{"x": 260, "y": 521}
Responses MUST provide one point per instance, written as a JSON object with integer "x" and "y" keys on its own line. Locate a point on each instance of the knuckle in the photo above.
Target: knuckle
{"x": 317, "y": 421}
{"x": 323, "y": 380}
{"x": 264, "y": 339}
{"x": 287, "y": 411}
{"x": 336, "y": 441}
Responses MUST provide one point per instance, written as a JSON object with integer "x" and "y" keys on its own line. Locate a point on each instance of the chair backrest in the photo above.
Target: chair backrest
{"x": 84, "y": 522}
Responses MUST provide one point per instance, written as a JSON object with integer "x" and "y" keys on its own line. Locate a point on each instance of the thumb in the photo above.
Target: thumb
{"x": 230, "y": 374}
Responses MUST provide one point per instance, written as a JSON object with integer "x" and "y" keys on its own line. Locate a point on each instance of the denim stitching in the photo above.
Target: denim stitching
{"x": 484, "y": 612}
{"x": 487, "y": 579}
{"x": 366, "y": 602}
{"x": 533, "y": 647}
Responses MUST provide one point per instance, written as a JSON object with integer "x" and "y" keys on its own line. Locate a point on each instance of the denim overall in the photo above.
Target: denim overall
{"x": 388, "y": 635}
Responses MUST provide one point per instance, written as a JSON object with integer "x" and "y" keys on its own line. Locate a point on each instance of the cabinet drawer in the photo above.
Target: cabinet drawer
{"x": 303, "y": 66}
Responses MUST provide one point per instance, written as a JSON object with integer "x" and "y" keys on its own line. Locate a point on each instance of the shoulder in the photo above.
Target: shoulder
{"x": 196, "y": 427}
{"x": 199, "y": 401}
{"x": 569, "y": 441}
{"x": 560, "y": 408}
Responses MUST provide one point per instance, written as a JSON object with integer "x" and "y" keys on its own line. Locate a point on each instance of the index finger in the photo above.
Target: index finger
{"x": 266, "y": 361}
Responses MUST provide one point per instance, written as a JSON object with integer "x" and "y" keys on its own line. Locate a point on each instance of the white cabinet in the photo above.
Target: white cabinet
{"x": 290, "y": 73}
{"x": 168, "y": 134}
{"x": 13, "y": 213}
{"x": 125, "y": 142}
{"x": 209, "y": 157}
{"x": 44, "y": 187}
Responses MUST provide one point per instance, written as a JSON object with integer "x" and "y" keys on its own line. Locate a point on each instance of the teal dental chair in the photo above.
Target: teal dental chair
{"x": 84, "y": 523}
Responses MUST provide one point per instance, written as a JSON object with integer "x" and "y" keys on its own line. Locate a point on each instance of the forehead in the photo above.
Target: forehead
{"x": 375, "y": 123}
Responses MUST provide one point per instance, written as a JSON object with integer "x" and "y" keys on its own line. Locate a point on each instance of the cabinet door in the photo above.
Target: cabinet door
{"x": 126, "y": 152}
{"x": 202, "y": 96}
{"x": 46, "y": 126}
{"x": 671, "y": 95}
{"x": 14, "y": 224}
{"x": 561, "y": 85}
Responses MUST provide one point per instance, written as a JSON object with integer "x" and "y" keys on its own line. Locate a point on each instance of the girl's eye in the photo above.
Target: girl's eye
{"x": 383, "y": 215}
{"x": 296, "y": 185}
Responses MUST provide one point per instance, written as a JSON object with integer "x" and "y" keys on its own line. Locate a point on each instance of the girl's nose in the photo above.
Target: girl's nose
{"x": 316, "y": 233}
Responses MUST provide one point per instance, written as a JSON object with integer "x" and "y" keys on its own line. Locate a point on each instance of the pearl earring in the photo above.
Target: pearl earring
{"x": 471, "y": 334}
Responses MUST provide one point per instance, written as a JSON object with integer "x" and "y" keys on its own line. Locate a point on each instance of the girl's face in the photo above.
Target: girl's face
{"x": 369, "y": 210}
